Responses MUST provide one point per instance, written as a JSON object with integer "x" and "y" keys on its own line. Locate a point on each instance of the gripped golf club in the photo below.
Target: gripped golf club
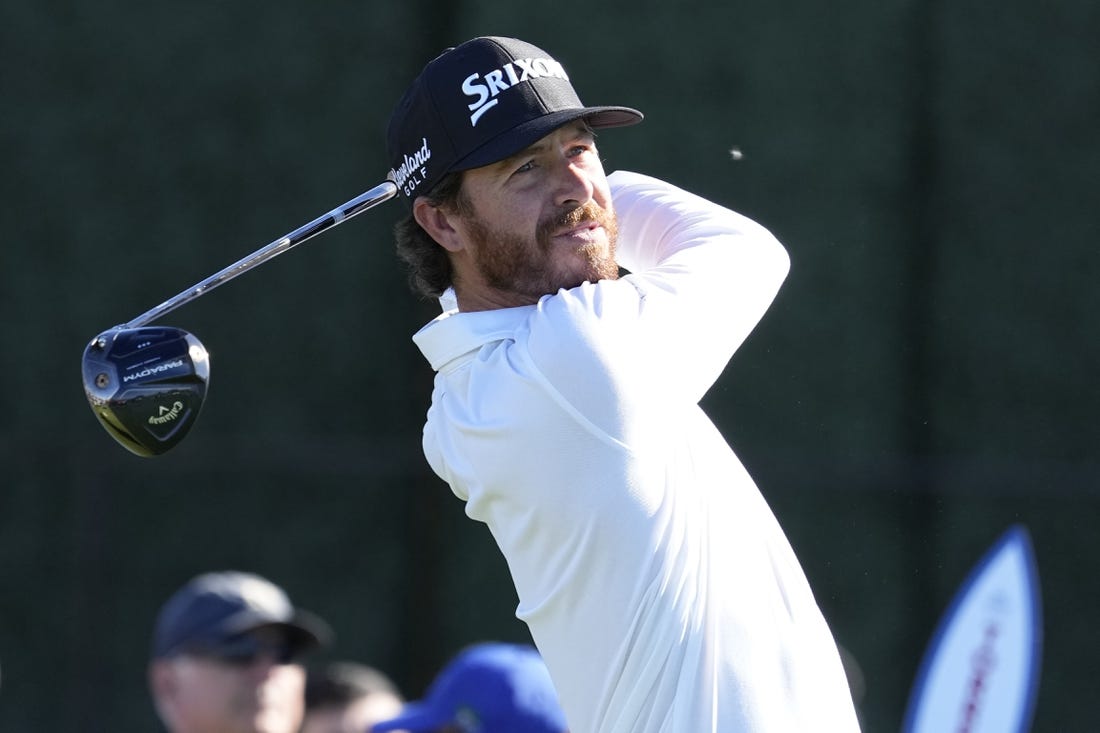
{"x": 146, "y": 384}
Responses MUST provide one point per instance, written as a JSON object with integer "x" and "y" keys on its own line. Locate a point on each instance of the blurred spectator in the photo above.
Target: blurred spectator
{"x": 490, "y": 687}
{"x": 345, "y": 697}
{"x": 226, "y": 656}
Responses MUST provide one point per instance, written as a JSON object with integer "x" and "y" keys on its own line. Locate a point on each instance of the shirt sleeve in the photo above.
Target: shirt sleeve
{"x": 700, "y": 278}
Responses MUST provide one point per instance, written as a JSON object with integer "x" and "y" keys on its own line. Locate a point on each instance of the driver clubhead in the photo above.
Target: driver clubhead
{"x": 146, "y": 385}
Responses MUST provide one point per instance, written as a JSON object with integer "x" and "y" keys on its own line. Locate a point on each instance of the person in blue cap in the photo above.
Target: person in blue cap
{"x": 226, "y": 656}
{"x": 491, "y": 687}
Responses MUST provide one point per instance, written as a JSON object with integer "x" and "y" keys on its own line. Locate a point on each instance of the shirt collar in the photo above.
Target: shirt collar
{"x": 453, "y": 334}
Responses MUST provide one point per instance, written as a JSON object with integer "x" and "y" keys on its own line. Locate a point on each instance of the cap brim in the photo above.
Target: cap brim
{"x": 523, "y": 135}
{"x": 414, "y": 717}
{"x": 306, "y": 630}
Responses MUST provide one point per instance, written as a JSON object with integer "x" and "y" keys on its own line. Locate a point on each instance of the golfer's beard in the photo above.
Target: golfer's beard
{"x": 512, "y": 263}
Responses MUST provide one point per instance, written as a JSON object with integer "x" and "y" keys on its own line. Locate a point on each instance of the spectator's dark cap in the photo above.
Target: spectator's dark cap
{"x": 214, "y": 610}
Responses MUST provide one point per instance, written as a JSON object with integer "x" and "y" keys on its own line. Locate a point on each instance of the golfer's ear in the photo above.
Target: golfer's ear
{"x": 438, "y": 223}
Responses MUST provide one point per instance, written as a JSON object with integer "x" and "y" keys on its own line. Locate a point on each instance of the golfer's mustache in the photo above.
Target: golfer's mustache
{"x": 574, "y": 217}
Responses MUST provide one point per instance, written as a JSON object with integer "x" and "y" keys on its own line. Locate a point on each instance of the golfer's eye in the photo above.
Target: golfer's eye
{"x": 528, "y": 166}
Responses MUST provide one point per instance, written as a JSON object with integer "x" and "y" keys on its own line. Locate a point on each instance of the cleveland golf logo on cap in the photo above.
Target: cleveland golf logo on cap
{"x": 412, "y": 169}
{"x": 506, "y": 77}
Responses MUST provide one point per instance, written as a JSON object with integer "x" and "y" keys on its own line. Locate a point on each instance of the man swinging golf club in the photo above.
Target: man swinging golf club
{"x": 656, "y": 582}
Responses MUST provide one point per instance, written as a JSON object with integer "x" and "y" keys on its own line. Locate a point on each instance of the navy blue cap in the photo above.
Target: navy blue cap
{"x": 479, "y": 103}
{"x": 214, "y": 609}
{"x": 488, "y": 688}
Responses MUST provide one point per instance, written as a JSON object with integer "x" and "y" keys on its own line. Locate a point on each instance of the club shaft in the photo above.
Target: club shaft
{"x": 382, "y": 192}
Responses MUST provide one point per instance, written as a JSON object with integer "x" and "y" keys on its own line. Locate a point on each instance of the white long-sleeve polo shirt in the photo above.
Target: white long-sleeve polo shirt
{"x": 653, "y": 576}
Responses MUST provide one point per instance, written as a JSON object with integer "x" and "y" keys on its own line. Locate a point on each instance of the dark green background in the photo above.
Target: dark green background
{"x": 925, "y": 379}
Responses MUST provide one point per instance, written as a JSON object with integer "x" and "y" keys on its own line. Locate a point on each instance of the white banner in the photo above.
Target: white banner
{"x": 980, "y": 673}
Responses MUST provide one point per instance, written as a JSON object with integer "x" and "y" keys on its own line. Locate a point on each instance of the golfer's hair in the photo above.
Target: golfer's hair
{"x": 429, "y": 267}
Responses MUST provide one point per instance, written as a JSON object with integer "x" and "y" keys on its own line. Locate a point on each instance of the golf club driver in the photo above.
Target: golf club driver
{"x": 146, "y": 384}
